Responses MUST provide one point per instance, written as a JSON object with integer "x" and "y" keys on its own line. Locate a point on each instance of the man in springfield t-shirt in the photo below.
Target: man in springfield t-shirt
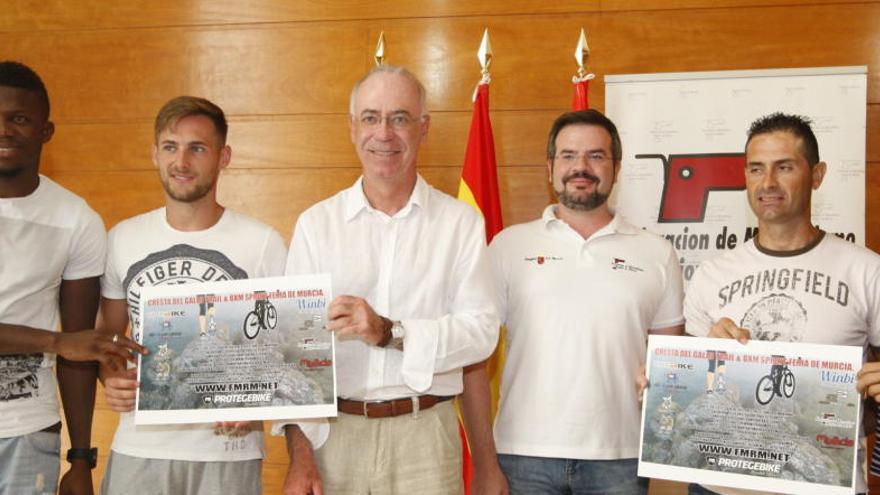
{"x": 794, "y": 282}
{"x": 192, "y": 239}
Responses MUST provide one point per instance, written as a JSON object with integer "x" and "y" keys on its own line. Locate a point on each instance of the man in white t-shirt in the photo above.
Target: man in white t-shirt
{"x": 192, "y": 239}
{"x": 413, "y": 306}
{"x": 792, "y": 282}
{"x": 579, "y": 291}
{"x": 52, "y": 247}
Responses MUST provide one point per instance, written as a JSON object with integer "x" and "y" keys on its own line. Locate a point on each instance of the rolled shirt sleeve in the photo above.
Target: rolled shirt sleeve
{"x": 468, "y": 334}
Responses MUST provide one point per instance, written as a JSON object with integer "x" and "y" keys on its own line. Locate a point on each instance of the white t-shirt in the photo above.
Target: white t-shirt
{"x": 578, "y": 313}
{"x": 146, "y": 251}
{"x": 828, "y": 293}
{"x": 46, "y": 237}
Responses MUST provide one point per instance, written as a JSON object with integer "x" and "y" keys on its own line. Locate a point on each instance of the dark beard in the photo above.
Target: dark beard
{"x": 591, "y": 201}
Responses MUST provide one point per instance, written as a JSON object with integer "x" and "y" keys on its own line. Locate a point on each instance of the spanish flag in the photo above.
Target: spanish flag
{"x": 479, "y": 188}
{"x": 581, "y": 98}
{"x": 479, "y": 177}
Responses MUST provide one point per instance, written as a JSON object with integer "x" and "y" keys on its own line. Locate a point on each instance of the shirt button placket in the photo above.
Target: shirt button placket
{"x": 383, "y": 297}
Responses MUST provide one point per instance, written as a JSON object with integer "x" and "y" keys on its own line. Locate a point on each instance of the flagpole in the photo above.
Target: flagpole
{"x": 379, "y": 56}
{"x": 479, "y": 188}
{"x": 581, "y": 80}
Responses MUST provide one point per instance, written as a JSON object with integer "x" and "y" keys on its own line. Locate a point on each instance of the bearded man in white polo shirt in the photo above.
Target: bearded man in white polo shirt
{"x": 579, "y": 290}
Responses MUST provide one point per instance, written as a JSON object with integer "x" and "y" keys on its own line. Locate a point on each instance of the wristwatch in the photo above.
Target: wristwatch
{"x": 90, "y": 455}
{"x": 394, "y": 333}
{"x": 397, "y": 335}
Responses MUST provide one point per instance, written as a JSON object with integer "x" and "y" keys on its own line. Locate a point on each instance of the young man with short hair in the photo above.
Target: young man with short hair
{"x": 191, "y": 239}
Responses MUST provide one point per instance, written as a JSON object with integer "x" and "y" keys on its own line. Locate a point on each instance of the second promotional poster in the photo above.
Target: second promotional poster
{"x": 760, "y": 416}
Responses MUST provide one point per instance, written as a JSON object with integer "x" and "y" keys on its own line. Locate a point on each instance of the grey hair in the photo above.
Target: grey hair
{"x": 391, "y": 69}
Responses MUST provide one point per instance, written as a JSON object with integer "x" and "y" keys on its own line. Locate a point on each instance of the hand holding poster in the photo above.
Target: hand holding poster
{"x": 236, "y": 350}
{"x": 762, "y": 416}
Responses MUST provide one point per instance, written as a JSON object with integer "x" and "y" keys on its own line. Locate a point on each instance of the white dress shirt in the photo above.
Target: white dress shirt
{"x": 425, "y": 266}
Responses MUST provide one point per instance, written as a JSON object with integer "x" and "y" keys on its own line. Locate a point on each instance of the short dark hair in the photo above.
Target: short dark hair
{"x": 188, "y": 106}
{"x": 585, "y": 117}
{"x": 798, "y": 125}
{"x": 17, "y": 75}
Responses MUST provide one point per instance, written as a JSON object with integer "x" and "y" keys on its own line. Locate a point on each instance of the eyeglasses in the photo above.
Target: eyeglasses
{"x": 400, "y": 120}
{"x": 592, "y": 158}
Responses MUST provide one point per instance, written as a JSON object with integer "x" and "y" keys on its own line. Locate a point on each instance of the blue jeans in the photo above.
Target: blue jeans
{"x": 30, "y": 463}
{"x": 544, "y": 475}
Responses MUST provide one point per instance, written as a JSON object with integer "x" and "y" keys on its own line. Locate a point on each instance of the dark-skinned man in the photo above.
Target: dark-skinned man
{"x": 52, "y": 248}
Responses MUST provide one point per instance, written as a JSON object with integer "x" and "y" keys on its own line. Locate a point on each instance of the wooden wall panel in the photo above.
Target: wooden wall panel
{"x": 26, "y": 15}
{"x": 282, "y": 71}
{"x": 872, "y": 206}
{"x": 308, "y": 68}
{"x": 113, "y": 74}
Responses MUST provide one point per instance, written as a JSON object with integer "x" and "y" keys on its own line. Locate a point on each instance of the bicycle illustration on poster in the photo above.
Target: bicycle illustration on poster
{"x": 768, "y": 415}
{"x": 237, "y": 350}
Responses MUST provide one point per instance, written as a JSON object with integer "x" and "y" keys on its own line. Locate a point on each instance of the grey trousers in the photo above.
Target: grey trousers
{"x": 128, "y": 475}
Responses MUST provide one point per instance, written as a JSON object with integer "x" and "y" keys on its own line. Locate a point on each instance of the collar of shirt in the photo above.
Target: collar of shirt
{"x": 617, "y": 225}
{"x": 356, "y": 201}
{"x": 35, "y": 196}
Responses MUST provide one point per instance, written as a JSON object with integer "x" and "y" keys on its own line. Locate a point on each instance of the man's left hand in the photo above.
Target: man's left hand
{"x": 489, "y": 481}
{"x": 77, "y": 480}
{"x": 642, "y": 383}
{"x": 353, "y": 317}
{"x": 869, "y": 380}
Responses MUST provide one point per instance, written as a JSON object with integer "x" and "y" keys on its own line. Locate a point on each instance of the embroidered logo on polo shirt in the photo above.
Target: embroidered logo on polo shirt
{"x": 542, "y": 259}
{"x": 621, "y": 264}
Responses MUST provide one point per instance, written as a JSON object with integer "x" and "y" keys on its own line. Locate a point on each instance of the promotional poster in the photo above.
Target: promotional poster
{"x": 239, "y": 350}
{"x": 769, "y": 416}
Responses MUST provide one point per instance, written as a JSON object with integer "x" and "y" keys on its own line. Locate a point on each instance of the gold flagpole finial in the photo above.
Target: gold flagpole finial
{"x": 582, "y": 54}
{"x": 484, "y": 54}
{"x": 380, "y": 50}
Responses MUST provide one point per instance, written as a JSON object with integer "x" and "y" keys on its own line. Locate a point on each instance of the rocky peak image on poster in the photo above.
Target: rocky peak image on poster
{"x": 751, "y": 416}
{"x": 247, "y": 349}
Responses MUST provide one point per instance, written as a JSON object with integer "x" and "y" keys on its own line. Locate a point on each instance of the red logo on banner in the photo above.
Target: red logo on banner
{"x": 688, "y": 179}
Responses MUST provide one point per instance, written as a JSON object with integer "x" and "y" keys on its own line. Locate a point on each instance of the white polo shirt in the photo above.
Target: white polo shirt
{"x": 578, "y": 313}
